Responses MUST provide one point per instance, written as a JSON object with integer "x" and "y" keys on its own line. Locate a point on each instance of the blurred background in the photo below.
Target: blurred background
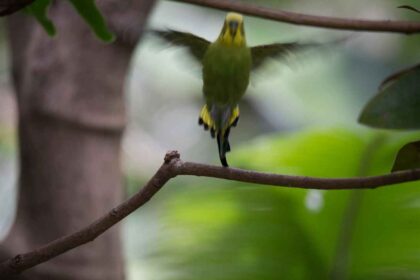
{"x": 298, "y": 117}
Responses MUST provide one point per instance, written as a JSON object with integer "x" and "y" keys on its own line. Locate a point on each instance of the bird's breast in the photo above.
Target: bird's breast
{"x": 226, "y": 73}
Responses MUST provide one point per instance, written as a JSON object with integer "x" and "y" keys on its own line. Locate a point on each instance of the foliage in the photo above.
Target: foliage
{"x": 397, "y": 103}
{"x": 257, "y": 232}
{"x": 90, "y": 13}
{"x": 39, "y": 10}
{"x": 396, "y": 106}
{"x": 87, "y": 10}
{"x": 408, "y": 157}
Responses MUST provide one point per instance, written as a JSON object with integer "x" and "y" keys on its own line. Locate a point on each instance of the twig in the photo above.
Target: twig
{"x": 172, "y": 167}
{"x": 407, "y": 27}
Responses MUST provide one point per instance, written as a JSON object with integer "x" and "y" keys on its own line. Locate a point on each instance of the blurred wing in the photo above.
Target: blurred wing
{"x": 196, "y": 46}
{"x": 260, "y": 54}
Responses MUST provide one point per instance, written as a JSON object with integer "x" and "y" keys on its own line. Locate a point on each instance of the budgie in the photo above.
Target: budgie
{"x": 226, "y": 67}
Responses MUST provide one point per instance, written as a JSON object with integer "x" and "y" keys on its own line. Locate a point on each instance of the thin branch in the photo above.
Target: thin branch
{"x": 302, "y": 182}
{"x": 173, "y": 167}
{"x": 407, "y": 27}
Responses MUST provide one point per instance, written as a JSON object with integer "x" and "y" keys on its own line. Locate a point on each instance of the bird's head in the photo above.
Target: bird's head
{"x": 233, "y": 33}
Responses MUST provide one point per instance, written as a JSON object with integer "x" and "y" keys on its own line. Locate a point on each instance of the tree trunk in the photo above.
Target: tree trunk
{"x": 71, "y": 118}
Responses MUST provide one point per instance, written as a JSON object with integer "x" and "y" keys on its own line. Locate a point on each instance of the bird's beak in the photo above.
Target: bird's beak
{"x": 233, "y": 28}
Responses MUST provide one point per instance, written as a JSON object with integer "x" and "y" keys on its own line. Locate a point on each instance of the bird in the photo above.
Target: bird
{"x": 227, "y": 64}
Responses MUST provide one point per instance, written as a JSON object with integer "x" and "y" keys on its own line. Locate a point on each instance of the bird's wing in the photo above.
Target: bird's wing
{"x": 261, "y": 54}
{"x": 197, "y": 46}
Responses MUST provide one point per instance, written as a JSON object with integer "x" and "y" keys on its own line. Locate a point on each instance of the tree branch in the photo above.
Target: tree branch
{"x": 407, "y": 27}
{"x": 172, "y": 167}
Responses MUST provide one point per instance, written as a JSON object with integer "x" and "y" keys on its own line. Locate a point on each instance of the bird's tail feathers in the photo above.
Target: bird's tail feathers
{"x": 223, "y": 145}
{"x": 209, "y": 122}
{"x": 221, "y": 132}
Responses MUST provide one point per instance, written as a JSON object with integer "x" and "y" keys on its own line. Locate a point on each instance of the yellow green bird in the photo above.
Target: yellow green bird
{"x": 226, "y": 67}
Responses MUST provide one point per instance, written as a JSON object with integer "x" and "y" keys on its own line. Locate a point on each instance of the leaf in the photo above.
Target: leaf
{"x": 408, "y": 157}
{"x": 93, "y": 17}
{"x": 397, "y": 104}
{"x": 395, "y": 76}
{"x": 86, "y": 9}
{"x": 409, "y": 8}
{"x": 39, "y": 10}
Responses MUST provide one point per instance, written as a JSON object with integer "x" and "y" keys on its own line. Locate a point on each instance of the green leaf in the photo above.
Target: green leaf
{"x": 408, "y": 157}
{"x": 39, "y": 10}
{"x": 397, "y": 104}
{"x": 93, "y": 17}
{"x": 409, "y": 8}
{"x": 86, "y": 9}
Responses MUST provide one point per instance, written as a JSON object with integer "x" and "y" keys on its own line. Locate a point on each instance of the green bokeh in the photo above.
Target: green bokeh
{"x": 230, "y": 230}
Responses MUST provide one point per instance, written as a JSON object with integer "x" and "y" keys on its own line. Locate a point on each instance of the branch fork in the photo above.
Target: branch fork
{"x": 172, "y": 167}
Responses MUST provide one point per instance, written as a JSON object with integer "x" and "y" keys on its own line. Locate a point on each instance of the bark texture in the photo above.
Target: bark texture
{"x": 71, "y": 119}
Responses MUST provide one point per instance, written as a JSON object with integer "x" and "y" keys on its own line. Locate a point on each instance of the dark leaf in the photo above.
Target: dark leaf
{"x": 409, "y": 8}
{"x": 397, "y": 105}
{"x": 408, "y": 157}
{"x": 93, "y": 17}
{"x": 395, "y": 76}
